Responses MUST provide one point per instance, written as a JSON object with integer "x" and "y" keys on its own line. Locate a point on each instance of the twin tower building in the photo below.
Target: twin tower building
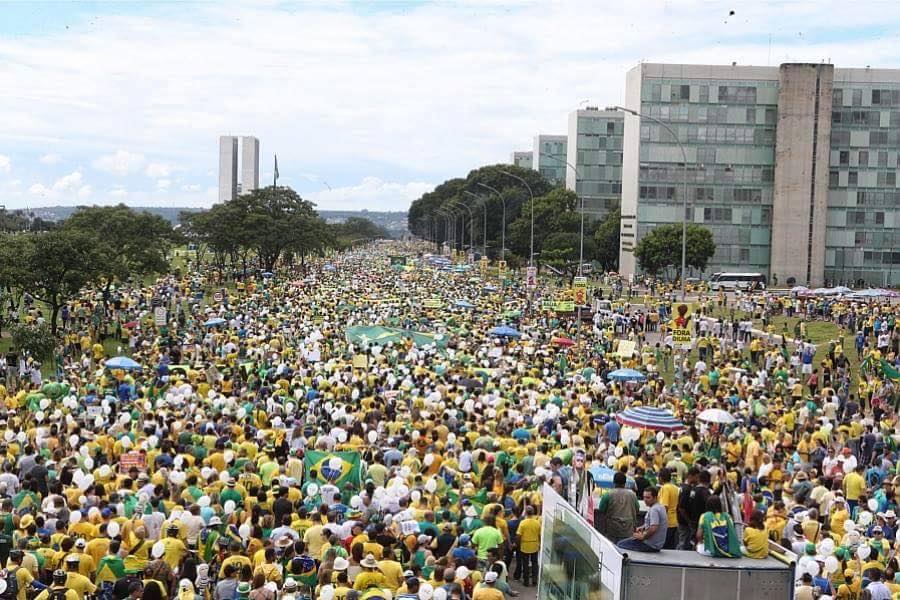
{"x": 229, "y": 188}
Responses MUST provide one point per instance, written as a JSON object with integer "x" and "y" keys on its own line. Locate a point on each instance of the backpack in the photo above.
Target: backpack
{"x": 12, "y": 584}
{"x": 57, "y": 593}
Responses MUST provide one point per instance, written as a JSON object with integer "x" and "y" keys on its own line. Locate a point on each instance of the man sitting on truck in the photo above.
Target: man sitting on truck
{"x": 651, "y": 537}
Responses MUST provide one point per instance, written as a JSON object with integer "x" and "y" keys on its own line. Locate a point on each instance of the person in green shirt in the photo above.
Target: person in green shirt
{"x": 230, "y": 493}
{"x": 717, "y": 531}
{"x": 486, "y": 538}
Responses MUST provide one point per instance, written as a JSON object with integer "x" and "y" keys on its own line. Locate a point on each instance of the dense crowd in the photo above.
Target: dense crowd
{"x": 357, "y": 428}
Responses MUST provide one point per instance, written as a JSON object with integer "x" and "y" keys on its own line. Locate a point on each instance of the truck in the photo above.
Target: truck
{"x": 579, "y": 563}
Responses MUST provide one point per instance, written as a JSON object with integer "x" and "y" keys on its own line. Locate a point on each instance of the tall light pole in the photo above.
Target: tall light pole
{"x": 683, "y": 192}
{"x": 581, "y": 209}
{"x": 462, "y": 204}
{"x": 503, "y": 228}
{"x": 483, "y": 201}
{"x": 528, "y": 187}
{"x": 446, "y": 214}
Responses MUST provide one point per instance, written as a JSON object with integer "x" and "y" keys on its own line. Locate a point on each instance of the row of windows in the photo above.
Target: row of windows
{"x": 874, "y": 239}
{"x": 601, "y": 126}
{"x": 588, "y": 141}
{"x": 862, "y": 217}
{"x": 880, "y": 97}
{"x": 592, "y": 157}
{"x": 708, "y": 173}
{"x": 599, "y": 188}
{"x": 871, "y": 118}
{"x": 870, "y": 198}
{"x": 880, "y": 137}
{"x": 866, "y": 159}
{"x": 740, "y": 196}
{"x": 710, "y": 134}
{"x": 734, "y": 94}
{"x": 710, "y": 114}
{"x": 883, "y": 178}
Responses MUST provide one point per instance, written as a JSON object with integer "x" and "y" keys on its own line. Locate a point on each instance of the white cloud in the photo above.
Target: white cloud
{"x": 156, "y": 170}
{"x": 371, "y": 193}
{"x": 62, "y": 189}
{"x": 84, "y": 192}
{"x": 402, "y": 97}
{"x": 120, "y": 163}
{"x": 118, "y": 192}
{"x": 163, "y": 184}
{"x": 191, "y": 188}
{"x": 5, "y": 163}
{"x": 50, "y": 159}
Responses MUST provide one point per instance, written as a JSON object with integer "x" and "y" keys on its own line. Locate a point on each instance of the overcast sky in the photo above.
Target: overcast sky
{"x": 378, "y": 101}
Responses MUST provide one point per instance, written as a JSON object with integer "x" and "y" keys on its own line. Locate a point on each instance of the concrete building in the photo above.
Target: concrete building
{"x": 549, "y": 157}
{"x": 228, "y": 166}
{"x": 594, "y": 148}
{"x": 793, "y": 168}
{"x": 249, "y": 164}
{"x": 522, "y": 159}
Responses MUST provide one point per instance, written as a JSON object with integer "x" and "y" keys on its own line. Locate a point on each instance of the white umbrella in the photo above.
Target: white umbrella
{"x": 716, "y": 415}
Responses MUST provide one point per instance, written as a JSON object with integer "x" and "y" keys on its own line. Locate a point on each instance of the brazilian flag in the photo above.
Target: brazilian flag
{"x": 337, "y": 468}
{"x": 479, "y": 500}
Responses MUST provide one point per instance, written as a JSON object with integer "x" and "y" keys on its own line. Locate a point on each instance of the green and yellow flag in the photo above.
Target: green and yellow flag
{"x": 336, "y": 468}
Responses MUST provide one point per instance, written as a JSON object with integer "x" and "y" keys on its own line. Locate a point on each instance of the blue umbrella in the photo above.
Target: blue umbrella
{"x": 650, "y": 417}
{"x": 268, "y": 274}
{"x": 464, "y": 304}
{"x": 122, "y": 362}
{"x": 505, "y": 331}
{"x": 626, "y": 375}
{"x": 215, "y": 322}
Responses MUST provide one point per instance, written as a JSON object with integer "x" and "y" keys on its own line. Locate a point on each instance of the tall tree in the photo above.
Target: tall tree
{"x": 607, "y": 237}
{"x": 135, "y": 243}
{"x": 57, "y": 265}
{"x": 660, "y": 249}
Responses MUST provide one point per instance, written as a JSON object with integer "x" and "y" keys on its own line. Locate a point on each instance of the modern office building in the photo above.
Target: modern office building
{"x": 793, "y": 168}
{"x": 594, "y": 148}
{"x": 249, "y": 164}
{"x": 228, "y": 166}
{"x": 522, "y": 159}
{"x": 549, "y": 158}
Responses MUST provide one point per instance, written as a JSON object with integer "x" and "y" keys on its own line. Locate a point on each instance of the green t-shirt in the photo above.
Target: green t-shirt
{"x": 486, "y": 538}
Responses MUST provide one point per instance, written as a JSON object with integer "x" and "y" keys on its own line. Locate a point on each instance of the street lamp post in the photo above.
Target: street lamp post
{"x": 528, "y": 187}
{"x": 503, "y": 228}
{"x": 684, "y": 194}
{"x": 483, "y": 201}
{"x": 581, "y": 233}
{"x": 471, "y": 223}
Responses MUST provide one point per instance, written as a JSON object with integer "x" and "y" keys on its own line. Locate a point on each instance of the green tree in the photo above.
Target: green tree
{"x": 561, "y": 250}
{"x": 660, "y": 249}
{"x": 354, "y": 229}
{"x": 135, "y": 243}
{"x": 607, "y": 238}
{"x": 36, "y": 339}
{"x": 56, "y": 265}
{"x": 554, "y": 213}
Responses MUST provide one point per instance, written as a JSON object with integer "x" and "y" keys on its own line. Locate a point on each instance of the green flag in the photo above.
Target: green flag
{"x": 888, "y": 370}
{"x": 337, "y": 468}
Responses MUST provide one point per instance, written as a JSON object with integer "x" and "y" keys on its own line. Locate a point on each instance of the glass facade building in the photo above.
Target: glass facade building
{"x": 861, "y": 246}
{"x": 549, "y": 158}
{"x": 595, "y": 149}
{"x": 794, "y": 168}
{"x": 522, "y": 159}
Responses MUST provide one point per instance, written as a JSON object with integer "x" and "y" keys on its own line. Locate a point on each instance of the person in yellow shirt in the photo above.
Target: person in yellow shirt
{"x": 854, "y": 486}
{"x": 75, "y": 580}
{"x": 668, "y": 497}
{"x": 756, "y": 536}
{"x": 529, "y": 534}
{"x": 23, "y": 575}
{"x": 174, "y": 548}
{"x": 370, "y": 576}
{"x": 59, "y": 584}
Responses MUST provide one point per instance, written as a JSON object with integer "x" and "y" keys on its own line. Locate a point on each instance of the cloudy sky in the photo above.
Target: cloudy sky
{"x": 367, "y": 104}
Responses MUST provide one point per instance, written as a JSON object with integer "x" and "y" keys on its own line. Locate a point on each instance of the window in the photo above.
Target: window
{"x": 879, "y": 218}
{"x": 879, "y": 138}
{"x": 704, "y": 94}
{"x": 770, "y": 116}
{"x": 685, "y": 92}
{"x": 852, "y": 177}
{"x": 751, "y": 116}
{"x": 833, "y": 178}
{"x": 845, "y": 157}
{"x": 610, "y": 128}
{"x": 857, "y": 98}
{"x": 882, "y": 158}
{"x": 864, "y": 158}
{"x": 656, "y": 92}
{"x": 837, "y": 97}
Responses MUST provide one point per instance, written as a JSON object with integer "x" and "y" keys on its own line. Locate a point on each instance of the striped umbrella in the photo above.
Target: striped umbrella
{"x": 650, "y": 417}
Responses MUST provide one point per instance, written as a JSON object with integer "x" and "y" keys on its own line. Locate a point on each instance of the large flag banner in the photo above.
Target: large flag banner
{"x": 336, "y": 468}
{"x": 383, "y": 335}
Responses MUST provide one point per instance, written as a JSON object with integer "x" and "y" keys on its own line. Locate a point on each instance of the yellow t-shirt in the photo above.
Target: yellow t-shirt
{"x": 668, "y": 497}
{"x": 757, "y": 542}
{"x": 529, "y": 533}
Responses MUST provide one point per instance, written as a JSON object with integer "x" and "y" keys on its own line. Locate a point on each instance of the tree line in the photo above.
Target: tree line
{"x": 99, "y": 247}
{"x": 469, "y": 211}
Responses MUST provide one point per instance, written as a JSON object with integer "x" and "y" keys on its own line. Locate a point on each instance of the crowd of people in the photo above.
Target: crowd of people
{"x": 190, "y": 472}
